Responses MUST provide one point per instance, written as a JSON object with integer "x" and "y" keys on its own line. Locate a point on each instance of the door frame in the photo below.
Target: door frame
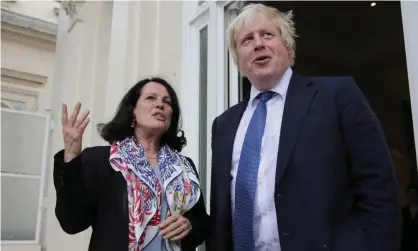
{"x": 409, "y": 21}
{"x": 213, "y": 15}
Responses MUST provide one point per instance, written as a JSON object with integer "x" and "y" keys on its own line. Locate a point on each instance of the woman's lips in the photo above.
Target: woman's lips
{"x": 159, "y": 116}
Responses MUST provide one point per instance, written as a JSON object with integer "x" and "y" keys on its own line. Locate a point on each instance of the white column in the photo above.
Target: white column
{"x": 410, "y": 20}
{"x": 145, "y": 41}
{"x": 97, "y": 60}
{"x": 169, "y": 41}
{"x": 142, "y": 44}
{"x": 81, "y": 59}
{"x": 118, "y": 56}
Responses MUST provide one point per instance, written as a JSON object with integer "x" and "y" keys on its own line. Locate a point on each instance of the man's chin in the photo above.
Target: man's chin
{"x": 264, "y": 81}
{"x": 267, "y": 74}
{"x": 264, "y": 73}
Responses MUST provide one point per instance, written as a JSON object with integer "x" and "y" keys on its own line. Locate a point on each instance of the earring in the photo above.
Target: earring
{"x": 133, "y": 123}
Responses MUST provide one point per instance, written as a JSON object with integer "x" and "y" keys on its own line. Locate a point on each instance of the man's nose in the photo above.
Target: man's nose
{"x": 258, "y": 43}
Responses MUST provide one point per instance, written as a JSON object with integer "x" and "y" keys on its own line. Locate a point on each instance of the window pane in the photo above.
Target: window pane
{"x": 244, "y": 87}
{"x": 203, "y": 112}
{"x": 228, "y": 75}
{"x": 203, "y": 107}
{"x": 21, "y": 149}
{"x": 19, "y": 208}
{"x": 237, "y": 85}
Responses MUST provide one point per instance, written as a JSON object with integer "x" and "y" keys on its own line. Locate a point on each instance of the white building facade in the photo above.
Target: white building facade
{"x": 28, "y": 39}
{"x": 103, "y": 48}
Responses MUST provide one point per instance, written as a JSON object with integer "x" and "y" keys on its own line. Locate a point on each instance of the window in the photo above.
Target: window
{"x": 23, "y": 170}
{"x": 203, "y": 113}
{"x": 205, "y": 77}
{"x": 244, "y": 87}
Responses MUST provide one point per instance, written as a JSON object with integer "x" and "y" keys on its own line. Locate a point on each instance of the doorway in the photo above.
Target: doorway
{"x": 365, "y": 41}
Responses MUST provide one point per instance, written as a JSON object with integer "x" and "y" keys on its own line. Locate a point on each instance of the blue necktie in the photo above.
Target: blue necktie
{"x": 246, "y": 180}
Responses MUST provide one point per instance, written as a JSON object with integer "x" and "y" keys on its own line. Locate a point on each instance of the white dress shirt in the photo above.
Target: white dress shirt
{"x": 266, "y": 234}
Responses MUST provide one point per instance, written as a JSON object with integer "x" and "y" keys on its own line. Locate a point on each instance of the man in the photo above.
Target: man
{"x": 302, "y": 164}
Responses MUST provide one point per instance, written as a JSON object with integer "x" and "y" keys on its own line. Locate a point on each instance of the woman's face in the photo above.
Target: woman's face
{"x": 153, "y": 109}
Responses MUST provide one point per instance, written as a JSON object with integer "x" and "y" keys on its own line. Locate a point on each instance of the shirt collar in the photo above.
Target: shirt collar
{"x": 280, "y": 88}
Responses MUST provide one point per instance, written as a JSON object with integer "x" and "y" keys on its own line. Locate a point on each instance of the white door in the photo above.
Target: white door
{"x": 209, "y": 77}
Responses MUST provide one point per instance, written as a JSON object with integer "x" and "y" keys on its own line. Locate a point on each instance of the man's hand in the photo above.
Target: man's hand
{"x": 175, "y": 228}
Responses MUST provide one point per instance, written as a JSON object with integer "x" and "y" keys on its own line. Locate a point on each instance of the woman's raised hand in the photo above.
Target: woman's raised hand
{"x": 72, "y": 130}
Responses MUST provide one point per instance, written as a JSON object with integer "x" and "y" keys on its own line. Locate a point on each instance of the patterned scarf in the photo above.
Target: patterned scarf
{"x": 180, "y": 183}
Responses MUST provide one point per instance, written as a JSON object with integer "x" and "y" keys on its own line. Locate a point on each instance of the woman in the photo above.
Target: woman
{"x": 139, "y": 193}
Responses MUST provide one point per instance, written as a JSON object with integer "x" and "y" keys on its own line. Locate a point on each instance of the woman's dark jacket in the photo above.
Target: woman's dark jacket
{"x": 91, "y": 193}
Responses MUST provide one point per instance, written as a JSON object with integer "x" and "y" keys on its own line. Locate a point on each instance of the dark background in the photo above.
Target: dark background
{"x": 354, "y": 38}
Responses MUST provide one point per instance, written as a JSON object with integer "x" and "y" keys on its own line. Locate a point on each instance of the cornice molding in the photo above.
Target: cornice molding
{"x": 27, "y": 22}
{"x": 23, "y": 78}
{"x": 28, "y": 26}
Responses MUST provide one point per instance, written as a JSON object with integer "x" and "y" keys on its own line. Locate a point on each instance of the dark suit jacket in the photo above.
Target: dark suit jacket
{"x": 335, "y": 185}
{"x": 91, "y": 193}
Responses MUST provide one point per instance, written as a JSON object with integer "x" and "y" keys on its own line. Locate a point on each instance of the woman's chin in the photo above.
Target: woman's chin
{"x": 160, "y": 127}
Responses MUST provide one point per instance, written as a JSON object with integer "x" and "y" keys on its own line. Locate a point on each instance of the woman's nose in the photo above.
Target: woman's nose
{"x": 160, "y": 105}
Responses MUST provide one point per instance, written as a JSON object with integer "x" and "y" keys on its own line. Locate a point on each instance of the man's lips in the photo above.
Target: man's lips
{"x": 262, "y": 59}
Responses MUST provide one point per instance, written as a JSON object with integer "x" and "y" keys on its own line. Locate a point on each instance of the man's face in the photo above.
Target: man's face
{"x": 262, "y": 56}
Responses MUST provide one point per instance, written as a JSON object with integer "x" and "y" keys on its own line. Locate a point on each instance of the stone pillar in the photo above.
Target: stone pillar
{"x": 169, "y": 37}
{"x": 81, "y": 63}
{"x": 145, "y": 41}
{"x": 101, "y": 52}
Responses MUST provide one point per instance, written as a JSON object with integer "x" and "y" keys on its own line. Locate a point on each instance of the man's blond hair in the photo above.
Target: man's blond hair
{"x": 250, "y": 14}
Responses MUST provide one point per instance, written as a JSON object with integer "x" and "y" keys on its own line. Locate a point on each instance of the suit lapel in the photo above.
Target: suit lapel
{"x": 227, "y": 140}
{"x": 231, "y": 130}
{"x": 298, "y": 99}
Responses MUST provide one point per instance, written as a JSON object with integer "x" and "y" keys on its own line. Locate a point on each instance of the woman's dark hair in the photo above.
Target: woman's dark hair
{"x": 120, "y": 126}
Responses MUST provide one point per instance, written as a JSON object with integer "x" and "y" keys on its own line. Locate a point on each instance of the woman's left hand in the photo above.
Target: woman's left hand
{"x": 175, "y": 228}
